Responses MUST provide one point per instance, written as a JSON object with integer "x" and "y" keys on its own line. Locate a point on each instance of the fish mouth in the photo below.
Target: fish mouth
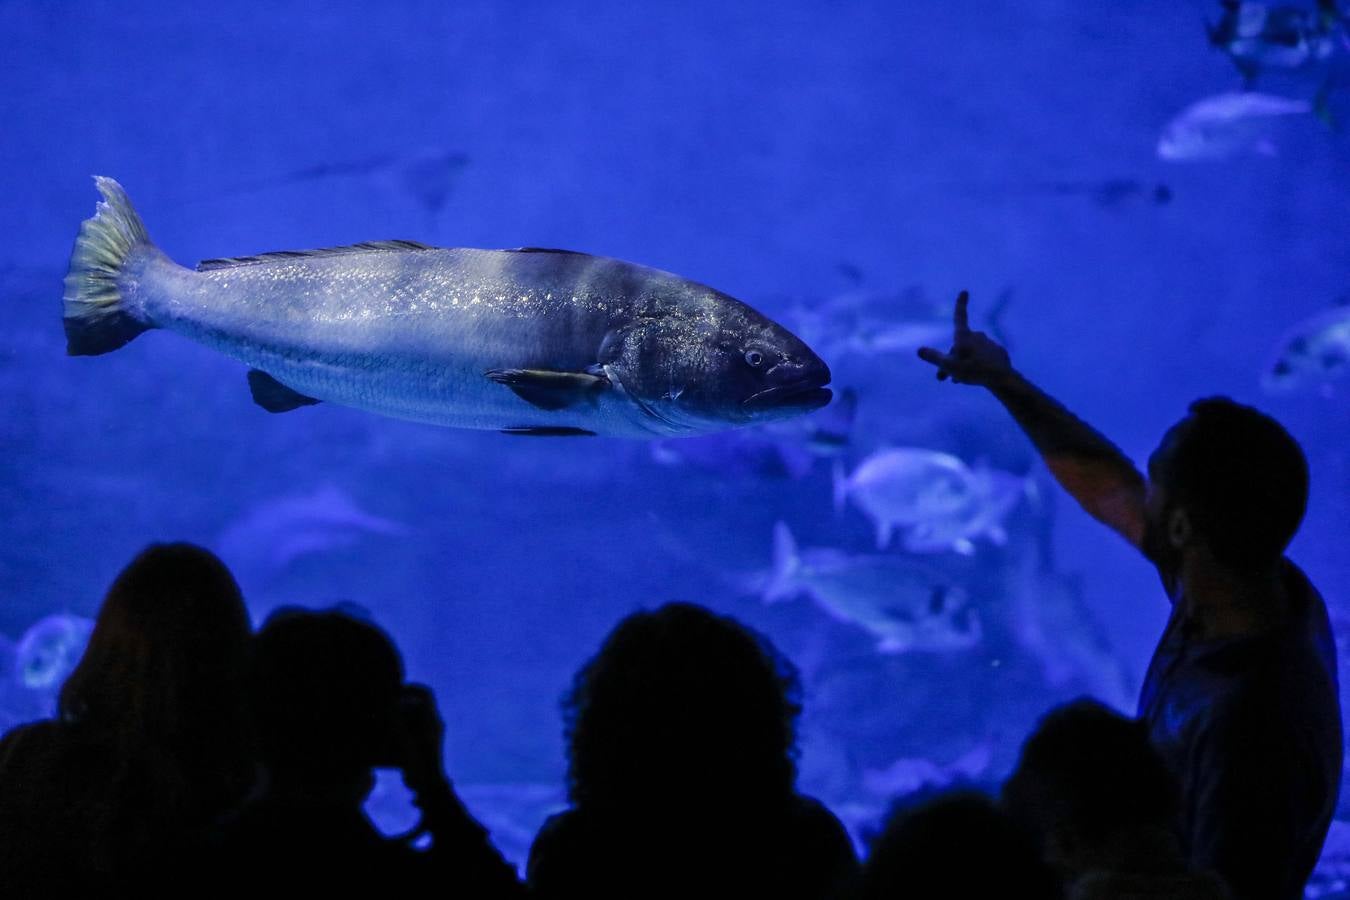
{"x": 806, "y": 395}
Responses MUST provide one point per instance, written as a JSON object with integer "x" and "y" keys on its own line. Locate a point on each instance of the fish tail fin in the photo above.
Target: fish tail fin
{"x": 97, "y": 319}
{"x": 840, "y": 483}
{"x": 785, "y": 562}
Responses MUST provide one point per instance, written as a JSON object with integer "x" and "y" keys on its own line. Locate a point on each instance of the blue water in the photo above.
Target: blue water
{"x": 786, "y": 153}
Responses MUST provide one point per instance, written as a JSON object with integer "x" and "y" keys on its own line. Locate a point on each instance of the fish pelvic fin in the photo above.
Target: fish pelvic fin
{"x": 274, "y": 396}
{"x": 779, "y": 585}
{"x": 95, "y": 314}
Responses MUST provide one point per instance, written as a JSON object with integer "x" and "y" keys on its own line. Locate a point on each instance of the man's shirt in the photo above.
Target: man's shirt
{"x": 1252, "y": 728}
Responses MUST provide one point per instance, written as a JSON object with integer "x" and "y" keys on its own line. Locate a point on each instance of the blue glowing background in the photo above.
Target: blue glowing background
{"x": 813, "y": 159}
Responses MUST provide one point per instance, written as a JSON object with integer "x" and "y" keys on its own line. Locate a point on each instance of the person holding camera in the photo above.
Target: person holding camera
{"x": 330, "y": 705}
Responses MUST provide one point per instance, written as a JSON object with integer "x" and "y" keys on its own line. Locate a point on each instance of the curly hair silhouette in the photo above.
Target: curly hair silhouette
{"x": 682, "y": 705}
{"x": 681, "y": 736}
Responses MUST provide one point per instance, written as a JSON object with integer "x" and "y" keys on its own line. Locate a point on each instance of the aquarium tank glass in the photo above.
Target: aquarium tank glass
{"x": 1128, "y": 221}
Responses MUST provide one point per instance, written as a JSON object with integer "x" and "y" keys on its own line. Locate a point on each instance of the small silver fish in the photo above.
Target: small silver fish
{"x": 905, "y": 605}
{"x": 263, "y": 542}
{"x": 787, "y": 448}
{"x": 50, "y": 649}
{"x": 909, "y": 774}
{"x": 935, "y": 499}
{"x": 1257, "y": 36}
{"x": 530, "y": 341}
{"x": 1225, "y": 125}
{"x": 867, "y": 323}
{"x": 1313, "y": 354}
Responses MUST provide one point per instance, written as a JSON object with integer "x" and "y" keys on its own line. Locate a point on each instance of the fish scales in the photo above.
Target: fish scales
{"x": 526, "y": 341}
{"x": 401, "y": 332}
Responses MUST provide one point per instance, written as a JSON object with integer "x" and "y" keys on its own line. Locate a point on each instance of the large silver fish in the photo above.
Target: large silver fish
{"x": 526, "y": 341}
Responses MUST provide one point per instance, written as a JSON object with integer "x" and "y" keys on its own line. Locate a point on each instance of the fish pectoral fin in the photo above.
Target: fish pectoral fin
{"x": 549, "y": 389}
{"x": 548, "y": 431}
{"x": 274, "y": 396}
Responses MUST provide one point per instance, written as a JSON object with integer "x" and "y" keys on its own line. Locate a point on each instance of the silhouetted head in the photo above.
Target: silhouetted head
{"x": 166, "y": 657}
{"x": 324, "y": 687}
{"x": 709, "y": 361}
{"x": 954, "y": 844}
{"x": 1229, "y": 478}
{"x": 1086, "y": 776}
{"x": 681, "y": 707}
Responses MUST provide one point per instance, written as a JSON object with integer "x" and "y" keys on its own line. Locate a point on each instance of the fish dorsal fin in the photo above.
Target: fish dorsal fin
{"x": 547, "y": 250}
{"x": 208, "y": 265}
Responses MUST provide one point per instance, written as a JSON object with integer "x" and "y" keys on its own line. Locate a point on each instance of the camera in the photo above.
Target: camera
{"x": 411, "y": 719}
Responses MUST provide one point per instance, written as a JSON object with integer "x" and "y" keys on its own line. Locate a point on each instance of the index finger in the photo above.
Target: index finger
{"x": 962, "y": 316}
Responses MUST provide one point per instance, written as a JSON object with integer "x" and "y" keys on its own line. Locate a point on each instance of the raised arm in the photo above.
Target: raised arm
{"x": 1091, "y": 468}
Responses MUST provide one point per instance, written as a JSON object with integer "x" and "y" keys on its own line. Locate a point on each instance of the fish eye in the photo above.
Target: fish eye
{"x": 754, "y": 358}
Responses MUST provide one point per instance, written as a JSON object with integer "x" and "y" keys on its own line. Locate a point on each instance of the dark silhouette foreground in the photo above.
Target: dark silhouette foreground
{"x": 1241, "y": 698}
{"x": 681, "y": 750}
{"x": 954, "y": 844}
{"x": 1102, "y": 804}
{"x": 330, "y": 704}
{"x": 150, "y": 747}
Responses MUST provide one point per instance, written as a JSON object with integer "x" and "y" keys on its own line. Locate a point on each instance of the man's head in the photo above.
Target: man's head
{"x": 1228, "y": 478}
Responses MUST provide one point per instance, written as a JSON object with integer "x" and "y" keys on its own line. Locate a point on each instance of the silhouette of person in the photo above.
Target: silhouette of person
{"x": 1241, "y": 697}
{"x": 1103, "y": 805}
{"x": 329, "y": 705}
{"x": 681, "y": 739}
{"x": 956, "y": 843}
{"x": 150, "y": 745}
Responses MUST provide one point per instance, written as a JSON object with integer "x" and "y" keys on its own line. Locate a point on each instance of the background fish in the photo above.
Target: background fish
{"x": 909, "y": 774}
{"x": 542, "y": 342}
{"x": 1226, "y": 125}
{"x": 869, "y": 323}
{"x": 1312, "y": 355}
{"x": 787, "y": 448}
{"x": 937, "y": 502}
{"x": 269, "y": 537}
{"x": 903, "y": 604}
{"x": 1257, "y": 36}
{"x": 49, "y": 650}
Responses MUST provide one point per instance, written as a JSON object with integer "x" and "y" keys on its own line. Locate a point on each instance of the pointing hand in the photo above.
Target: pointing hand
{"x": 974, "y": 358}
